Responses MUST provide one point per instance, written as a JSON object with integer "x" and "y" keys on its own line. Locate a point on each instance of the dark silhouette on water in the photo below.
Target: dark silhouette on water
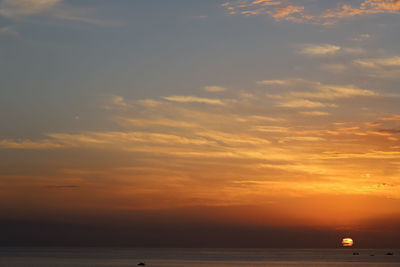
{"x": 389, "y": 253}
{"x": 356, "y": 253}
{"x": 141, "y": 264}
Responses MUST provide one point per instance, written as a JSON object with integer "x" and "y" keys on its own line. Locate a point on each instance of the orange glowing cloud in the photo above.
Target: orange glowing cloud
{"x": 301, "y": 13}
{"x": 171, "y": 152}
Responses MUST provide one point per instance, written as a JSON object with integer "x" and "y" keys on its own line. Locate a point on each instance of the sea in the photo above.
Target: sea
{"x": 178, "y": 257}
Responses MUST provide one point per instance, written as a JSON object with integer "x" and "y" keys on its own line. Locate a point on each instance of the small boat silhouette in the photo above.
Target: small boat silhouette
{"x": 389, "y": 253}
{"x": 141, "y": 264}
{"x": 356, "y": 253}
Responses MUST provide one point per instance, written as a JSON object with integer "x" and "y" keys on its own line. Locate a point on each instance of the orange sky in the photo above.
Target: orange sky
{"x": 275, "y": 114}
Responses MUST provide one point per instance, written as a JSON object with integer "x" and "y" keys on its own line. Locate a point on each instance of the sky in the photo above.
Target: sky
{"x": 254, "y": 123}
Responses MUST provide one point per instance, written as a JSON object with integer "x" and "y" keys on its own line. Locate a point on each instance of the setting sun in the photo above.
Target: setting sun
{"x": 347, "y": 242}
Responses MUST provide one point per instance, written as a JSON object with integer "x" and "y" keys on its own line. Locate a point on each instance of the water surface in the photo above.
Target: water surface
{"x": 107, "y": 257}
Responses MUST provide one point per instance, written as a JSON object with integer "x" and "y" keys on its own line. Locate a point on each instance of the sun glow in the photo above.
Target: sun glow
{"x": 347, "y": 242}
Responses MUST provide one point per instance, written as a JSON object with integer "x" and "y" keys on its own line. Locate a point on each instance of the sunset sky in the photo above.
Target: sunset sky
{"x": 261, "y": 116}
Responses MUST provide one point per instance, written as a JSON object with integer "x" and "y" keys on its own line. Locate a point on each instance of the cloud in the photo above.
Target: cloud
{"x": 320, "y": 90}
{"x": 376, "y": 154}
{"x": 302, "y": 11}
{"x": 154, "y": 121}
{"x": 260, "y": 118}
{"x": 270, "y": 129}
{"x": 385, "y": 67}
{"x": 306, "y": 94}
{"x": 373, "y": 124}
{"x": 215, "y": 88}
{"x": 314, "y": 113}
{"x": 362, "y": 37}
{"x": 379, "y": 62}
{"x": 353, "y": 50}
{"x": 56, "y": 9}
{"x": 329, "y": 49}
{"x": 233, "y": 139}
{"x": 19, "y": 8}
{"x": 367, "y": 7}
{"x": 287, "y": 12}
{"x": 272, "y": 82}
{"x": 9, "y": 31}
{"x": 279, "y": 10}
{"x": 391, "y": 118}
{"x": 149, "y": 103}
{"x": 116, "y": 102}
{"x": 30, "y": 145}
{"x": 124, "y": 140}
{"x": 301, "y": 103}
{"x": 301, "y": 139}
{"x": 163, "y": 149}
{"x": 323, "y": 49}
{"x": 194, "y": 99}
{"x": 334, "y": 92}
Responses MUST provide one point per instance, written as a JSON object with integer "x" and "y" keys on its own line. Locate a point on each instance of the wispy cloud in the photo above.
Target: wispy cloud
{"x": 9, "y": 32}
{"x": 194, "y": 99}
{"x": 317, "y": 90}
{"x": 391, "y": 118}
{"x": 373, "y": 124}
{"x": 323, "y": 49}
{"x": 329, "y": 49}
{"x": 288, "y": 12}
{"x": 314, "y": 113}
{"x": 115, "y": 102}
{"x": 215, "y": 88}
{"x": 56, "y": 9}
{"x": 20, "y": 8}
{"x": 279, "y": 10}
{"x": 301, "y": 139}
{"x": 362, "y": 37}
{"x": 302, "y": 11}
{"x": 379, "y": 62}
{"x": 154, "y": 121}
{"x": 302, "y": 103}
{"x": 270, "y": 129}
{"x": 385, "y": 67}
{"x": 30, "y": 145}
{"x": 334, "y": 92}
{"x": 367, "y": 7}
{"x": 272, "y": 82}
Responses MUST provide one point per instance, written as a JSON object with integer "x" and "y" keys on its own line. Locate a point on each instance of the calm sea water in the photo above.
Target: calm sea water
{"x": 105, "y": 257}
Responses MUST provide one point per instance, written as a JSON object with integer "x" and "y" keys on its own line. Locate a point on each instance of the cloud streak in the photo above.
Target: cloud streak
{"x": 302, "y": 11}
{"x": 384, "y": 67}
{"x": 9, "y": 32}
{"x": 317, "y": 50}
{"x": 54, "y": 9}
{"x": 194, "y": 99}
{"x": 20, "y": 8}
{"x": 214, "y": 88}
